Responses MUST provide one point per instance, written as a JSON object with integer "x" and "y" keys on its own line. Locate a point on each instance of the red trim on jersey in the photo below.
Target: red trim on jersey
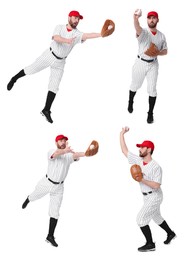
{"x": 145, "y": 163}
{"x": 69, "y": 30}
{"x": 154, "y": 33}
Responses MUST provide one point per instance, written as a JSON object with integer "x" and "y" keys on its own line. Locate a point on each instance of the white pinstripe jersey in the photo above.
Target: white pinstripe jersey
{"x": 146, "y": 38}
{"x": 58, "y": 167}
{"x": 151, "y": 171}
{"x": 63, "y": 49}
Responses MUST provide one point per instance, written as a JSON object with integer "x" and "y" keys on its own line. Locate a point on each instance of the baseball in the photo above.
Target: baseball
{"x": 138, "y": 12}
{"x": 110, "y": 27}
{"x": 91, "y": 146}
{"x": 126, "y": 128}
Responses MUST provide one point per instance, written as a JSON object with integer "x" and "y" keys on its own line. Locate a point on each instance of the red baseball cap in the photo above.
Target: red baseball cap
{"x": 152, "y": 13}
{"x": 75, "y": 13}
{"x": 147, "y": 144}
{"x": 60, "y": 137}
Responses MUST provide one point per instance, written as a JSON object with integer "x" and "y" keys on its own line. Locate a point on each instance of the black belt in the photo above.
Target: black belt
{"x": 146, "y": 193}
{"x": 145, "y": 60}
{"x": 54, "y": 182}
{"x": 59, "y": 58}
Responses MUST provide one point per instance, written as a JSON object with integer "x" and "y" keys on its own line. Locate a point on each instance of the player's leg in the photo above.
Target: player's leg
{"x": 56, "y": 196}
{"x": 143, "y": 219}
{"x": 42, "y": 62}
{"x": 57, "y": 70}
{"x": 15, "y": 78}
{"x": 170, "y": 234}
{"x": 151, "y": 77}
{"x": 43, "y": 187}
{"x": 138, "y": 76}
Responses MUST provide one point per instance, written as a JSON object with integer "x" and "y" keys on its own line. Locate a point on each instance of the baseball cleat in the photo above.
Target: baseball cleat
{"x": 47, "y": 115}
{"x": 51, "y": 240}
{"x": 24, "y": 205}
{"x": 147, "y": 247}
{"x": 169, "y": 238}
{"x": 150, "y": 118}
{"x": 10, "y": 84}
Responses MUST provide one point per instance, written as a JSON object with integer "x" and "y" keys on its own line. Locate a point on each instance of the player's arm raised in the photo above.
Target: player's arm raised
{"x": 60, "y": 39}
{"x": 137, "y": 26}
{"x": 77, "y": 155}
{"x": 87, "y": 36}
{"x": 59, "y": 152}
{"x": 122, "y": 141}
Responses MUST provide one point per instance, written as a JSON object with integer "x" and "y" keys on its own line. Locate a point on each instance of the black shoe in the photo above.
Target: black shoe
{"x": 10, "y": 84}
{"x": 25, "y": 203}
{"x": 47, "y": 114}
{"x": 51, "y": 239}
{"x": 147, "y": 247}
{"x": 169, "y": 238}
{"x": 150, "y": 118}
{"x": 130, "y": 106}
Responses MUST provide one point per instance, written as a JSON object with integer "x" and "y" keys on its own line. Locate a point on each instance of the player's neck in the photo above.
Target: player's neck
{"x": 147, "y": 158}
{"x": 69, "y": 28}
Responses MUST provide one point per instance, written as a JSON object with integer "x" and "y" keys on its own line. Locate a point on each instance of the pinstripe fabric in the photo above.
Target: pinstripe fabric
{"x": 57, "y": 171}
{"x": 142, "y": 69}
{"x": 45, "y": 187}
{"x": 47, "y": 59}
{"x": 63, "y": 50}
{"x": 151, "y": 208}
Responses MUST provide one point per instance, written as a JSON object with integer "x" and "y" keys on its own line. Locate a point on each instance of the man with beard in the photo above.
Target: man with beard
{"x": 151, "y": 189}
{"x": 59, "y": 162}
{"x": 147, "y": 66}
{"x": 65, "y": 37}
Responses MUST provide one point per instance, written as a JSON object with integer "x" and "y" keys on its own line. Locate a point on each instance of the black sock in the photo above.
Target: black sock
{"x": 165, "y": 226}
{"x": 131, "y": 96}
{"x": 147, "y": 233}
{"x": 49, "y": 100}
{"x": 151, "y": 101}
{"x": 18, "y": 75}
{"x": 52, "y": 226}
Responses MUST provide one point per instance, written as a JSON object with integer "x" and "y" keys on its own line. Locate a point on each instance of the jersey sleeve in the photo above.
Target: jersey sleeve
{"x": 164, "y": 44}
{"x": 57, "y": 30}
{"x": 133, "y": 158}
{"x": 50, "y": 153}
{"x": 157, "y": 175}
{"x": 78, "y": 36}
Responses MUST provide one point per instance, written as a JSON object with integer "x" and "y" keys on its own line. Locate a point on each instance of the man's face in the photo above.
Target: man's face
{"x": 152, "y": 21}
{"x": 61, "y": 144}
{"x": 73, "y": 21}
{"x": 143, "y": 151}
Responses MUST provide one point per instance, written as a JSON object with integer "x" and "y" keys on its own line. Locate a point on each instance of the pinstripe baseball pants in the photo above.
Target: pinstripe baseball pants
{"x": 44, "y": 187}
{"x": 142, "y": 69}
{"x": 151, "y": 209}
{"x": 47, "y": 59}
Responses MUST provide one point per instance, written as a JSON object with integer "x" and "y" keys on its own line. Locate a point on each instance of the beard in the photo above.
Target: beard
{"x": 142, "y": 154}
{"x": 152, "y": 25}
{"x": 62, "y": 146}
{"x": 73, "y": 25}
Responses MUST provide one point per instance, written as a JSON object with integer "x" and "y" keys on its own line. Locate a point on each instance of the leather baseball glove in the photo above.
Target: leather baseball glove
{"x": 152, "y": 50}
{"x": 92, "y": 149}
{"x": 136, "y": 172}
{"x": 108, "y": 28}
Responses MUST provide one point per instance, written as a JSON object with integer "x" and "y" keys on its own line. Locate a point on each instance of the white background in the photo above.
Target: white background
{"x": 101, "y": 201}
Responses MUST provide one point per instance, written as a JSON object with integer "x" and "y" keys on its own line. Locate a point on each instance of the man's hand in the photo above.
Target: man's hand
{"x": 124, "y": 130}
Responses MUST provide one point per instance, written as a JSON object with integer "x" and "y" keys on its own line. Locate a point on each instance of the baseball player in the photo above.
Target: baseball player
{"x": 65, "y": 37}
{"x": 59, "y": 161}
{"x": 147, "y": 66}
{"x": 150, "y": 186}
